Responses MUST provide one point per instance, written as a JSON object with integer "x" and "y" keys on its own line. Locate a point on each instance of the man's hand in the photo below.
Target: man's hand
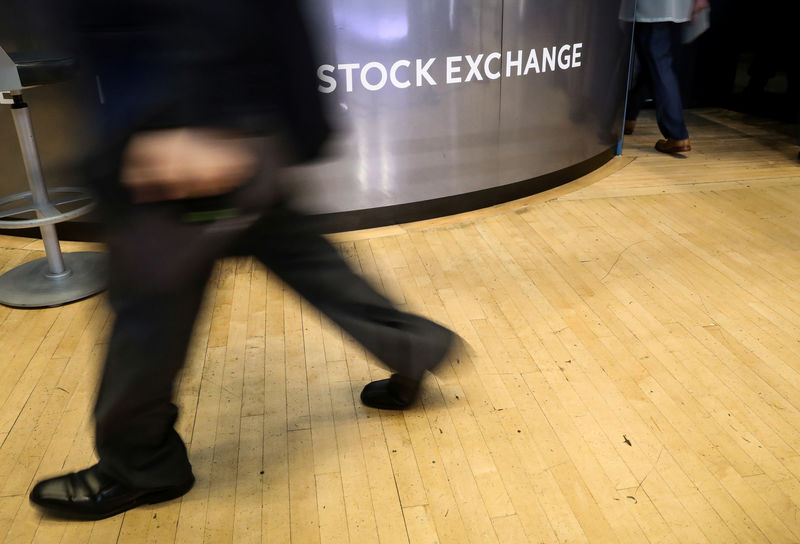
{"x": 699, "y": 5}
{"x": 185, "y": 163}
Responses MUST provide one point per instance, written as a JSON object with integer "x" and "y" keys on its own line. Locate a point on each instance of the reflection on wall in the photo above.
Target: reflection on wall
{"x": 365, "y": 20}
{"x": 405, "y": 143}
{"x": 407, "y": 139}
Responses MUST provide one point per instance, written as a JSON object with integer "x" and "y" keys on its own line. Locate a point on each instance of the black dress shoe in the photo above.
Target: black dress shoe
{"x": 92, "y": 495}
{"x": 394, "y": 393}
{"x": 399, "y": 391}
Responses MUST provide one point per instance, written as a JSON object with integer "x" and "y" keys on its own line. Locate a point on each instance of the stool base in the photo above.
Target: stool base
{"x": 29, "y": 286}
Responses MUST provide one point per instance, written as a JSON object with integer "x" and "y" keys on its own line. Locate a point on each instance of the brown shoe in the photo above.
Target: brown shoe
{"x": 671, "y": 145}
{"x": 629, "y": 126}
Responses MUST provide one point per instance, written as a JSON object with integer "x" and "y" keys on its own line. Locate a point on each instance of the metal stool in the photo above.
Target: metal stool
{"x": 58, "y": 278}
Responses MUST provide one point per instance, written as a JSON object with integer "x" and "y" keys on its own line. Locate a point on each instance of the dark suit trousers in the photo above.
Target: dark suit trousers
{"x": 657, "y": 45}
{"x": 159, "y": 268}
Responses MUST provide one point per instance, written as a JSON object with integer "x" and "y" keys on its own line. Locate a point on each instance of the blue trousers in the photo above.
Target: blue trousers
{"x": 656, "y": 47}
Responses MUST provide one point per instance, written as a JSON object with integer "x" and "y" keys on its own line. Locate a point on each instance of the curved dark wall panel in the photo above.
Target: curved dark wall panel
{"x": 443, "y": 105}
{"x": 442, "y": 98}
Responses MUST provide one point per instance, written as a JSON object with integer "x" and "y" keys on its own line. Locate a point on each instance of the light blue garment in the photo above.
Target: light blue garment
{"x": 660, "y": 11}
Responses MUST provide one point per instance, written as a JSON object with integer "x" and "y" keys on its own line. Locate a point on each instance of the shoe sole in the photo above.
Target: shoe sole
{"x": 58, "y": 511}
{"x": 673, "y": 150}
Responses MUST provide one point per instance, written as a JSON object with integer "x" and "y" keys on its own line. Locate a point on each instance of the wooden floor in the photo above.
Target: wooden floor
{"x": 634, "y": 374}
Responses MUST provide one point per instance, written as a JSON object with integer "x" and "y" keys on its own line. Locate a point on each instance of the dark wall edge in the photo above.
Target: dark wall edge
{"x": 91, "y": 231}
{"x": 451, "y": 205}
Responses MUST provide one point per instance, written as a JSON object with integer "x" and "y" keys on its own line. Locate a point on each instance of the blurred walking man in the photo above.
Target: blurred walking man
{"x": 203, "y": 103}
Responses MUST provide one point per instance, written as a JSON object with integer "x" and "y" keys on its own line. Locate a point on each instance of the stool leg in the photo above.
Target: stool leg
{"x": 33, "y": 167}
{"x": 59, "y": 278}
{"x": 52, "y": 250}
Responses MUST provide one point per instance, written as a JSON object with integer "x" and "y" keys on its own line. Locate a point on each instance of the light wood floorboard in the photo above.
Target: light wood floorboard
{"x": 633, "y": 373}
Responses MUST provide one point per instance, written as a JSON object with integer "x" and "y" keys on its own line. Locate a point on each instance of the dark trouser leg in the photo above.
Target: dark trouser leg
{"x": 155, "y": 312}
{"x": 640, "y": 87}
{"x": 655, "y": 45}
{"x": 288, "y": 244}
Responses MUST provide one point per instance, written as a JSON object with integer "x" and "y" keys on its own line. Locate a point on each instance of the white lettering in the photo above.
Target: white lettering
{"x": 490, "y": 57}
{"x": 517, "y": 63}
{"x": 422, "y": 72}
{"x": 549, "y": 57}
{"x": 348, "y": 74}
{"x": 325, "y": 79}
{"x": 576, "y": 55}
{"x": 453, "y": 70}
{"x": 474, "y": 68}
{"x": 533, "y": 62}
{"x": 563, "y": 60}
{"x": 393, "y": 74}
{"x": 478, "y": 68}
{"x": 365, "y": 81}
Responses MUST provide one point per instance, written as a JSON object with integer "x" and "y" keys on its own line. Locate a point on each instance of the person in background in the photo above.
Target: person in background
{"x": 657, "y": 37}
{"x": 202, "y": 105}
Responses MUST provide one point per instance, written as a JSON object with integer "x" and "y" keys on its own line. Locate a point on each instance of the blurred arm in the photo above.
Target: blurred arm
{"x": 185, "y": 163}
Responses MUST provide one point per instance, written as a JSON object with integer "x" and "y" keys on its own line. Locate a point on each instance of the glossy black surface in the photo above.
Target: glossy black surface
{"x": 401, "y": 145}
{"x": 424, "y": 142}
